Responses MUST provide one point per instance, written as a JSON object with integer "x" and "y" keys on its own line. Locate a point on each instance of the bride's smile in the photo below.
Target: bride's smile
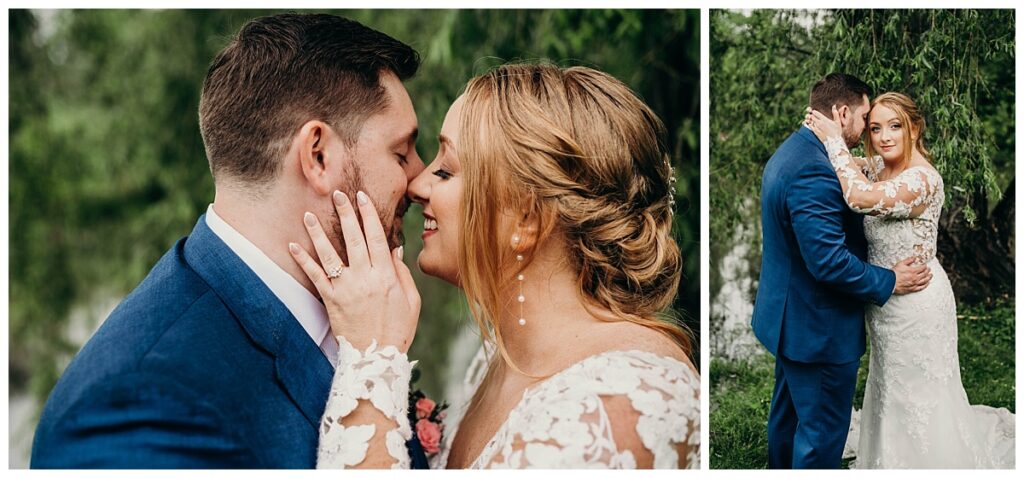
{"x": 429, "y": 226}
{"x": 886, "y": 132}
{"x": 439, "y": 190}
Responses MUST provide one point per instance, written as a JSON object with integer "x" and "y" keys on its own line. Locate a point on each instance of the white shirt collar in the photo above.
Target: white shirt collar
{"x": 306, "y": 308}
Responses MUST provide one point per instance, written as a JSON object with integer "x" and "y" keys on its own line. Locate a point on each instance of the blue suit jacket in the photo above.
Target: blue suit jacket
{"x": 814, "y": 281}
{"x": 201, "y": 366}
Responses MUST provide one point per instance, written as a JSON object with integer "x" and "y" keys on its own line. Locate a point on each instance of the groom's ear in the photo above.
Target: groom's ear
{"x": 844, "y": 115}
{"x": 311, "y": 141}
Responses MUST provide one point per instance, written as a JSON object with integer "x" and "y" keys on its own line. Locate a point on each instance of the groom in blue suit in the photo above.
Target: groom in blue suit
{"x": 809, "y": 310}
{"x": 223, "y": 357}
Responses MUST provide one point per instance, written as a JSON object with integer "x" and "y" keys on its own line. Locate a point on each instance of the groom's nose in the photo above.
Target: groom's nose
{"x": 414, "y": 166}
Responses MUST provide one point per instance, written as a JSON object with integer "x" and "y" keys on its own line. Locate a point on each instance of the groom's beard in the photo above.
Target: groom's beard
{"x": 390, "y": 219}
{"x": 396, "y": 237}
{"x": 851, "y": 140}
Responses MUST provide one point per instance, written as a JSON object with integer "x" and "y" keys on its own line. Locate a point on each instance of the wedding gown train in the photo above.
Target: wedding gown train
{"x": 916, "y": 413}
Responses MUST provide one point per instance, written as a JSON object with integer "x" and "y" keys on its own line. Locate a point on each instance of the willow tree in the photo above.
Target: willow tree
{"x": 958, "y": 65}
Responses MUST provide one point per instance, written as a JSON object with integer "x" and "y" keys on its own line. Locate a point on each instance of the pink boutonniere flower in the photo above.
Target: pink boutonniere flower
{"x": 424, "y": 407}
{"x": 426, "y": 415}
{"x": 429, "y": 434}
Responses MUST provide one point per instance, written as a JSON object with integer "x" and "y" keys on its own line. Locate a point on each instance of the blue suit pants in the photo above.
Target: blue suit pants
{"x": 810, "y": 413}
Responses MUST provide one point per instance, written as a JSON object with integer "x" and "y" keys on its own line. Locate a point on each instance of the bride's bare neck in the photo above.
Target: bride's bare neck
{"x": 559, "y": 326}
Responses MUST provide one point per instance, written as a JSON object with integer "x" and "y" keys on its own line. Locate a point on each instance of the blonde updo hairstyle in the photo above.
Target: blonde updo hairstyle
{"x": 911, "y": 119}
{"x": 578, "y": 152}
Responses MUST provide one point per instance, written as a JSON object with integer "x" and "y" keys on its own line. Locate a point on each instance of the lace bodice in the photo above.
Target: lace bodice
{"x": 902, "y": 213}
{"x": 564, "y": 422}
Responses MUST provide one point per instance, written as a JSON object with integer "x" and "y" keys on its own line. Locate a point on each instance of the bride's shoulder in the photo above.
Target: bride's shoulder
{"x": 634, "y": 351}
{"x": 626, "y": 371}
{"x": 643, "y": 406}
{"x": 927, "y": 167}
{"x": 644, "y": 403}
{"x": 653, "y": 347}
{"x": 924, "y": 171}
{"x": 636, "y": 373}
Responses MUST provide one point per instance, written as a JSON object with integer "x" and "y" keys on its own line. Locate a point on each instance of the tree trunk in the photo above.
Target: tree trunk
{"x": 980, "y": 260}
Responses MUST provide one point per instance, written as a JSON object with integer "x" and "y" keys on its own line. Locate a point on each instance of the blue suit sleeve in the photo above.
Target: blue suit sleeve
{"x": 816, "y": 206}
{"x": 145, "y": 423}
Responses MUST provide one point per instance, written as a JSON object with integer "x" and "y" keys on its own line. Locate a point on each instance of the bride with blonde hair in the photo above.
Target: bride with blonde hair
{"x": 550, "y": 205}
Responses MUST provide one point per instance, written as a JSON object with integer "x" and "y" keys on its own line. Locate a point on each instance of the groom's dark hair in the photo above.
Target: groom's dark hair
{"x": 281, "y": 71}
{"x": 838, "y": 89}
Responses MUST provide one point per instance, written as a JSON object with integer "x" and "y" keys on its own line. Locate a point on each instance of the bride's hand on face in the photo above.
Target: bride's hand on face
{"x": 823, "y": 126}
{"x": 373, "y": 297}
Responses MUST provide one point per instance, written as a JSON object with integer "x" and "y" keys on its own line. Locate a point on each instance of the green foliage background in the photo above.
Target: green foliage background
{"x": 107, "y": 168}
{"x": 958, "y": 65}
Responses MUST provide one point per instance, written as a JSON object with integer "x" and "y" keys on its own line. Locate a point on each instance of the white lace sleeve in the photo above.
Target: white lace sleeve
{"x": 872, "y": 166}
{"x": 904, "y": 196}
{"x": 622, "y": 410}
{"x": 374, "y": 377}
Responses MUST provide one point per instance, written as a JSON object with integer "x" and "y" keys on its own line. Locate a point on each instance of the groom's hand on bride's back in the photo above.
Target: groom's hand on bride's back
{"x": 911, "y": 277}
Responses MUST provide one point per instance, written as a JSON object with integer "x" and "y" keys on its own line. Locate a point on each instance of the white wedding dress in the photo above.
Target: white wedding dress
{"x": 916, "y": 413}
{"x": 560, "y": 423}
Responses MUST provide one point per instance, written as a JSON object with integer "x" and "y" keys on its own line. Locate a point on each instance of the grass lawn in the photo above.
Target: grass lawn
{"x": 741, "y": 391}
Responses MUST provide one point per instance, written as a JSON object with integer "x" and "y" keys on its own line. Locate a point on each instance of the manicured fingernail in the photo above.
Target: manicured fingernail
{"x": 309, "y": 219}
{"x": 293, "y": 247}
{"x": 339, "y": 198}
{"x": 401, "y": 252}
{"x": 361, "y": 197}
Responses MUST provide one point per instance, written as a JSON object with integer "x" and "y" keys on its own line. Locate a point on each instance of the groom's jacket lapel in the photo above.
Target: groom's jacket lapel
{"x": 301, "y": 368}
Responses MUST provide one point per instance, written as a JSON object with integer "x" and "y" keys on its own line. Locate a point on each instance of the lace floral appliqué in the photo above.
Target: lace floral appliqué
{"x": 564, "y": 421}
{"x": 379, "y": 375}
{"x": 908, "y": 205}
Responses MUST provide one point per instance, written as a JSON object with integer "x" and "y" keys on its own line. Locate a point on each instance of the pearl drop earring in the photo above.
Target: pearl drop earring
{"x": 519, "y": 278}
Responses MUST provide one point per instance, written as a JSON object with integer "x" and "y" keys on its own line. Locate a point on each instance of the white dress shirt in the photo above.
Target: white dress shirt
{"x": 306, "y": 308}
